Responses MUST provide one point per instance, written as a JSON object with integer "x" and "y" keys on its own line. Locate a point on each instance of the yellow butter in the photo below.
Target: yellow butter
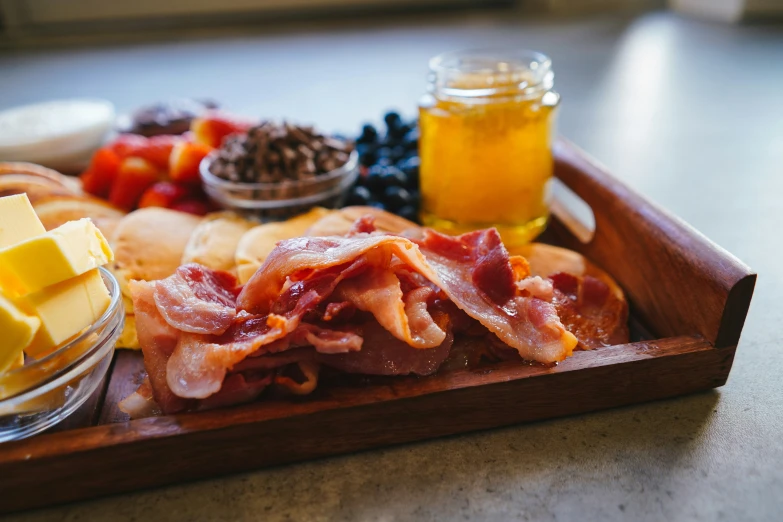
{"x": 18, "y": 220}
{"x": 65, "y": 252}
{"x": 65, "y": 309}
{"x": 17, "y": 330}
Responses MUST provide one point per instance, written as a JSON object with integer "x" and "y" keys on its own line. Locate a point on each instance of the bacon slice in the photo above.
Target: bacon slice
{"x": 530, "y": 325}
{"x": 459, "y": 266}
{"x": 589, "y": 309}
{"x": 199, "y": 363}
{"x": 196, "y": 300}
{"x": 384, "y": 354}
{"x": 379, "y": 292}
{"x": 158, "y": 339}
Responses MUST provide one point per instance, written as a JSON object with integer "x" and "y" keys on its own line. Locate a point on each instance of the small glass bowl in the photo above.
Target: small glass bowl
{"x": 274, "y": 201}
{"x": 42, "y": 393}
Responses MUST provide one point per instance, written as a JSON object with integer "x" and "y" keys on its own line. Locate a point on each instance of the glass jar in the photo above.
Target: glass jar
{"x": 487, "y": 124}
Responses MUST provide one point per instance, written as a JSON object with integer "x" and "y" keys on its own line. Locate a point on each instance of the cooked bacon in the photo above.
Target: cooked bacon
{"x": 384, "y": 354}
{"x": 365, "y": 303}
{"x": 238, "y": 388}
{"x": 158, "y": 339}
{"x": 199, "y": 363}
{"x": 448, "y": 262}
{"x": 590, "y": 310}
{"x": 378, "y": 291}
{"x": 196, "y": 300}
{"x": 537, "y": 287}
{"x": 309, "y": 372}
{"x": 530, "y": 325}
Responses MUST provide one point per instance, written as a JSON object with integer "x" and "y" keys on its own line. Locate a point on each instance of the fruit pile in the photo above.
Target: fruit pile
{"x": 389, "y": 177}
{"x": 161, "y": 171}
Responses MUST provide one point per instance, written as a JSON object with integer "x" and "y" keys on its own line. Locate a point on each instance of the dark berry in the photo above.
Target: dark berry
{"x": 408, "y": 212}
{"x": 415, "y": 198}
{"x": 377, "y": 204}
{"x": 369, "y": 134}
{"x": 384, "y": 162}
{"x": 392, "y": 120}
{"x": 394, "y": 177}
{"x": 375, "y": 178}
{"x": 385, "y": 152}
{"x": 410, "y": 167}
{"x": 396, "y": 197}
{"x": 397, "y": 153}
{"x": 368, "y": 158}
{"x": 359, "y": 196}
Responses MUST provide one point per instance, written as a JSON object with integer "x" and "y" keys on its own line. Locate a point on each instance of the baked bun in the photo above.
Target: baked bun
{"x": 213, "y": 243}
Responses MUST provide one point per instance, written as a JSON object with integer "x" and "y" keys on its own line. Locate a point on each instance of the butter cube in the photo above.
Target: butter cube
{"x": 65, "y": 252}
{"x": 65, "y": 309}
{"x": 17, "y": 331}
{"x": 18, "y": 220}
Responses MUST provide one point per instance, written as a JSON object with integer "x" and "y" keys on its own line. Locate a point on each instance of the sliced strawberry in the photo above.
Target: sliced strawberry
{"x": 100, "y": 175}
{"x": 185, "y": 160}
{"x": 158, "y": 150}
{"x": 192, "y": 206}
{"x": 164, "y": 194}
{"x": 212, "y": 127}
{"x": 127, "y": 144}
{"x": 135, "y": 176}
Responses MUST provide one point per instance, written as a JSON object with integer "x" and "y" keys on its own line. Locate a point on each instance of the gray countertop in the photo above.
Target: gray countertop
{"x": 689, "y": 113}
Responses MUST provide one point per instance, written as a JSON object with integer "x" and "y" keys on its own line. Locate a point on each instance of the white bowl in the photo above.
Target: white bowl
{"x": 55, "y": 133}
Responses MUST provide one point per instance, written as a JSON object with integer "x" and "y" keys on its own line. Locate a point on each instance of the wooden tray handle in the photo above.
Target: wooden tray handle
{"x": 654, "y": 254}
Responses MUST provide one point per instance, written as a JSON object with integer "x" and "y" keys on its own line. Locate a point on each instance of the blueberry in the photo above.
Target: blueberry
{"x": 394, "y": 177}
{"x": 375, "y": 178}
{"x": 368, "y": 158}
{"x": 385, "y": 162}
{"x": 385, "y": 152}
{"x": 377, "y": 204}
{"x": 369, "y": 134}
{"x": 359, "y": 196}
{"x": 397, "y": 153}
{"x": 411, "y": 141}
{"x": 408, "y": 212}
{"x": 396, "y": 197}
{"x": 415, "y": 198}
{"x": 410, "y": 168}
{"x": 392, "y": 120}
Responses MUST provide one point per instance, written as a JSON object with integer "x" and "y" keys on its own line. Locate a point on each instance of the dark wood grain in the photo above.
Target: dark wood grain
{"x": 681, "y": 287}
{"x": 677, "y": 280}
{"x": 156, "y": 451}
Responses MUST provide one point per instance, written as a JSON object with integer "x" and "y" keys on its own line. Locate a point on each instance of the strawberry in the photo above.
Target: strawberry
{"x": 212, "y": 127}
{"x": 156, "y": 149}
{"x": 100, "y": 175}
{"x": 135, "y": 176}
{"x": 164, "y": 194}
{"x": 127, "y": 144}
{"x": 192, "y": 206}
{"x": 185, "y": 159}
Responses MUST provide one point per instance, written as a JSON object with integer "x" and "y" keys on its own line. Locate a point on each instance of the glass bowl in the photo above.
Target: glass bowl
{"x": 44, "y": 392}
{"x": 272, "y": 201}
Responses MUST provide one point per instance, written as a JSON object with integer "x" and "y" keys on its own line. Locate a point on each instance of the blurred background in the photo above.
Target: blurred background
{"x": 663, "y": 92}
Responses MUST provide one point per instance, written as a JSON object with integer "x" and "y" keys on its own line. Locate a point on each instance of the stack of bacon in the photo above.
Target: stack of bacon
{"x": 366, "y": 302}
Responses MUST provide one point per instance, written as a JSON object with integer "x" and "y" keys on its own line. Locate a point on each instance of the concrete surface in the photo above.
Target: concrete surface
{"x": 689, "y": 113}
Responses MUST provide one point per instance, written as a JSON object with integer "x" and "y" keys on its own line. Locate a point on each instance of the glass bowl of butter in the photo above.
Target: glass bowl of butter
{"x": 61, "y": 313}
{"x": 45, "y": 391}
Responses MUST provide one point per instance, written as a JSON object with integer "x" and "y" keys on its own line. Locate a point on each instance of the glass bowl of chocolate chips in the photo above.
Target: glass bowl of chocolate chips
{"x": 278, "y": 170}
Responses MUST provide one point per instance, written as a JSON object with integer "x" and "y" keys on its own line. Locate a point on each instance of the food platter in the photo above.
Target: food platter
{"x": 688, "y": 301}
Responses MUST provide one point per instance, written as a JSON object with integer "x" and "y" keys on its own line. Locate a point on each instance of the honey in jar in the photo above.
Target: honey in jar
{"x": 487, "y": 125}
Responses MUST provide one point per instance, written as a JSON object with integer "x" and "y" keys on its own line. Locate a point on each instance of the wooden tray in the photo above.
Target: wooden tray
{"x": 688, "y": 302}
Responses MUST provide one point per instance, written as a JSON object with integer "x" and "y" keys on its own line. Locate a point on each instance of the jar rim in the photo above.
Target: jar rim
{"x": 491, "y": 72}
